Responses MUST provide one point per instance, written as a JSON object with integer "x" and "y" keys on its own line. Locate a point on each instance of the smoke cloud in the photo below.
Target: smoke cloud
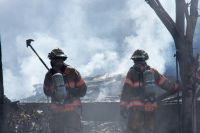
{"x": 98, "y": 37}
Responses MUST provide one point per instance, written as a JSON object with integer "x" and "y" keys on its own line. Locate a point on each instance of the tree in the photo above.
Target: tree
{"x": 182, "y": 31}
{"x": 1, "y": 91}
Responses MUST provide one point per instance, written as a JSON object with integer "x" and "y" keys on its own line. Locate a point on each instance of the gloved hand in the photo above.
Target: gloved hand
{"x": 176, "y": 87}
{"x": 124, "y": 112}
{"x": 74, "y": 92}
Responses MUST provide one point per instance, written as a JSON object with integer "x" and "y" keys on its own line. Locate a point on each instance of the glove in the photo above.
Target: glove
{"x": 124, "y": 112}
{"x": 176, "y": 87}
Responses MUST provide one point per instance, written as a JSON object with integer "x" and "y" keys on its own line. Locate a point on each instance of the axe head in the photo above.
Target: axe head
{"x": 28, "y": 42}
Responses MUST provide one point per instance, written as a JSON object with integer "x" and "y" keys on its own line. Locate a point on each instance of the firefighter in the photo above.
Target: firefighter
{"x": 138, "y": 98}
{"x": 65, "y": 86}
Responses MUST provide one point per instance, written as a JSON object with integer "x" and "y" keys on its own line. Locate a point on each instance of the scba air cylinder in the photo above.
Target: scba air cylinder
{"x": 150, "y": 86}
{"x": 59, "y": 85}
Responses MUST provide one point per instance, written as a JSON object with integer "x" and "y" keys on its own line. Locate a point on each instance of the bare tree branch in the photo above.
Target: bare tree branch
{"x": 191, "y": 24}
{"x": 164, "y": 17}
{"x": 158, "y": 2}
{"x": 189, "y": 3}
{"x": 186, "y": 11}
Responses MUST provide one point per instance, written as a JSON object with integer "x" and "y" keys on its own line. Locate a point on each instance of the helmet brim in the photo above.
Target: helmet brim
{"x": 60, "y": 56}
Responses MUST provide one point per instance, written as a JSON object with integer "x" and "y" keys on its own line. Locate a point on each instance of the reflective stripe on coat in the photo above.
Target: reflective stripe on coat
{"x": 65, "y": 107}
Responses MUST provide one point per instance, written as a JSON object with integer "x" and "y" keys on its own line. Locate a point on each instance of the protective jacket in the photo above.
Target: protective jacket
{"x": 74, "y": 84}
{"x": 139, "y": 87}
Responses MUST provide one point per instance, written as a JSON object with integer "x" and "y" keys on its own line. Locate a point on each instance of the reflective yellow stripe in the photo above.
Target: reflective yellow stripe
{"x": 65, "y": 107}
{"x": 70, "y": 84}
{"x": 150, "y": 106}
{"x": 162, "y": 80}
{"x": 135, "y": 103}
{"x": 123, "y": 103}
{"x": 133, "y": 84}
{"x": 80, "y": 83}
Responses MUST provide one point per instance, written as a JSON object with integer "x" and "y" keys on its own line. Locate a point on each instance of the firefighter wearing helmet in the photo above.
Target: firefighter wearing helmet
{"x": 138, "y": 98}
{"x": 65, "y": 86}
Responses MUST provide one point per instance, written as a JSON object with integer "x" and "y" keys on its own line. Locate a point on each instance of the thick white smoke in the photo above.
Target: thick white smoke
{"x": 150, "y": 35}
{"x": 98, "y": 36}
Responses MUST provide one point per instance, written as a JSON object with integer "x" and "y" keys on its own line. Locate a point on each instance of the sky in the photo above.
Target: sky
{"x": 98, "y": 36}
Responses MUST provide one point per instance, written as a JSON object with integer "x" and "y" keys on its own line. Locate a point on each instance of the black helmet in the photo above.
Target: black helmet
{"x": 139, "y": 55}
{"x": 57, "y": 53}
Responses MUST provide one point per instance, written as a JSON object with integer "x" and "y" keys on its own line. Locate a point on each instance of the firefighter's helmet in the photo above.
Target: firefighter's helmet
{"x": 57, "y": 53}
{"x": 139, "y": 55}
